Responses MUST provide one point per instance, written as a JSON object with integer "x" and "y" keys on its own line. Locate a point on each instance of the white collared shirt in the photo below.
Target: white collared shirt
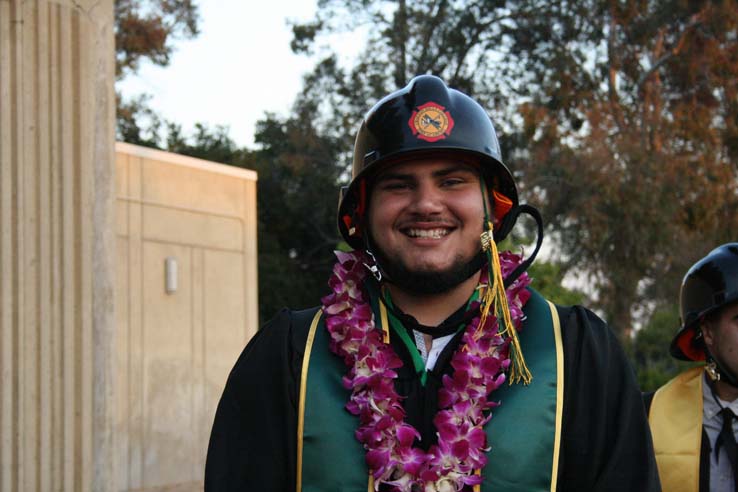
{"x": 721, "y": 473}
{"x": 437, "y": 347}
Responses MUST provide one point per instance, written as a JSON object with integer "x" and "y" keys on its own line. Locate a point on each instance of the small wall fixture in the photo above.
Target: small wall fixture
{"x": 170, "y": 275}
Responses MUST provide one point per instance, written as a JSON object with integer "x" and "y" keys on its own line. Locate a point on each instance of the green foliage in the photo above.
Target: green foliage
{"x": 649, "y": 350}
{"x": 297, "y": 201}
{"x": 547, "y": 278}
{"x": 136, "y": 122}
{"x": 210, "y": 144}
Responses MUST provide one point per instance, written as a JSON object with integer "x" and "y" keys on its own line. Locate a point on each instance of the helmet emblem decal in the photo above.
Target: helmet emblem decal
{"x": 431, "y": 122}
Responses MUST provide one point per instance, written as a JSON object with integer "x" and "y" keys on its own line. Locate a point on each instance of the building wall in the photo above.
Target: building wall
{"x": 56, "y": 245}
{"x": 107, "y": 382}
{"x": 175, "y": 349}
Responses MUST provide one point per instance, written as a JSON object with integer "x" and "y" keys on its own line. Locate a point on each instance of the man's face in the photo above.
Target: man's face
{"x": 721, "y": 336}
{"x": 426, "y": 214}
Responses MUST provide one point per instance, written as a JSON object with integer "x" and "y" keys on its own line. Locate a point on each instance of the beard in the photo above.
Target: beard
{"x": 423, "y": 282}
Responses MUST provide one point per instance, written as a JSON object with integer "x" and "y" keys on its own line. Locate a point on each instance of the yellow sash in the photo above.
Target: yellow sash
{"x": 676, "y": 427}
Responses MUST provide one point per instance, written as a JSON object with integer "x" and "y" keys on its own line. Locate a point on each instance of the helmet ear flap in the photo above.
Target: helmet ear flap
{"x": 502, "y": 207}
{"x": 346, "y": 220}
{"x": 352, "y": 222}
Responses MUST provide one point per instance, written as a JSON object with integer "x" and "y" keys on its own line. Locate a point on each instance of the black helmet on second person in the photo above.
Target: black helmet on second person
{"x": 426, "y": 115}
{"x": 710, "y": 284}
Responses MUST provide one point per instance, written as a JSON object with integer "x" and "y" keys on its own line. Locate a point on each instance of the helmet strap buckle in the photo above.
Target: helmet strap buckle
{"x": 373, "y": 268}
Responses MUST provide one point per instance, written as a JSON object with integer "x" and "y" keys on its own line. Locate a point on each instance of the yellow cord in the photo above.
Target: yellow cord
{"x": 495, "y": 300}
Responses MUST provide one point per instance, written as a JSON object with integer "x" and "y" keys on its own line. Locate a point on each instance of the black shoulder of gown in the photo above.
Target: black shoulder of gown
{"x": 252, "y": 442}
{"x": 606, "y": 441}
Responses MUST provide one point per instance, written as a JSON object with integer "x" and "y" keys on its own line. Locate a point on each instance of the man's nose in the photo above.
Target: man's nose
{"x": 428, "y": 199}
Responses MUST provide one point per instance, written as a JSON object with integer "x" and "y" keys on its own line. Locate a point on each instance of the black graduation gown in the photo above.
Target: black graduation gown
{"x": 605, "y": 446}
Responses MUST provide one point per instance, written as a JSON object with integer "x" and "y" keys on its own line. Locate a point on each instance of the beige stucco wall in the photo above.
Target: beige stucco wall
{"x": 56, "y": 245}
{"x": 174, "y": 350}
{"x": 107, "y": 382}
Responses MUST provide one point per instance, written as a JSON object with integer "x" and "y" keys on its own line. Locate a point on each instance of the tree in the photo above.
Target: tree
{"x": 619, "y": 118}
{"x": 146, "y": 29}
{"x": 650, "y": 349}
{"x": 298, "y": 198}
{"x": 404, "y": 38}
{"x": 630, "y": 142}
{"x": 212, "y": 144}
{"x": 548, "y": 277}
{"x": 136, "y": 122}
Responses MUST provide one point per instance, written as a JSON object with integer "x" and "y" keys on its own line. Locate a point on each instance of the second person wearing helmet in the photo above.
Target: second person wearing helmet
{"x": 692, "y": 416}
{"x": 431, "y": 365}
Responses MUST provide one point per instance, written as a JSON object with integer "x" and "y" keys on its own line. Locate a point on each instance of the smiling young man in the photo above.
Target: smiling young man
{"x": 431, "y": 364}
{"x": 693, "y": 415}
{"x": 429, "y": 215}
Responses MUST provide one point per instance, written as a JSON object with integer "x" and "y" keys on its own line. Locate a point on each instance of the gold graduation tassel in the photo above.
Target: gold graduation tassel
{"x": 495, "y": 299}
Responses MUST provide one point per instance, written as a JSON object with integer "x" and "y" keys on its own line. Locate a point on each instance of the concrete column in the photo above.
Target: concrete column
{"x": 56, "y": 245}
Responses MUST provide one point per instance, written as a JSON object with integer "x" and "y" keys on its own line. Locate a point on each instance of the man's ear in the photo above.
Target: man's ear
{"x": 707, "y": 333}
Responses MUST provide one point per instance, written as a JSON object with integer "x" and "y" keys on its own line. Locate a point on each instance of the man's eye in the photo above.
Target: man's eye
{"x": 452, "y": 181}
{"x": 395, "y": 185}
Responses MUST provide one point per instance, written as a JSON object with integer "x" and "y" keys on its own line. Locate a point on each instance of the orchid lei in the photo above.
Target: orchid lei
{"x": 464, "y": 409}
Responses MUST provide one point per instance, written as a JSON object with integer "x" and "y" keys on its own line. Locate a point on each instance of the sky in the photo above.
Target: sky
{"x": 238, "y": 67}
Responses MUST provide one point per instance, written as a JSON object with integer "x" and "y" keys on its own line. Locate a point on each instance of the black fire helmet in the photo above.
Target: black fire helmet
{"x": 425, "y": 116}
{"x": 708, "y": 285}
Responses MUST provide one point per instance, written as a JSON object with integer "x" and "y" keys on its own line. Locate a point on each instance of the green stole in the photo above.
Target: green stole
{"x": 523, "y": 434}
{"x": 675, "y": 418}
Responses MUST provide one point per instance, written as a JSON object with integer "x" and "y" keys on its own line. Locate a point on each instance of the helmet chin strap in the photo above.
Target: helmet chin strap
{"x": 536, "y": 215}
{"x": 374, "y": 267}
{"x": 380, "y": 274}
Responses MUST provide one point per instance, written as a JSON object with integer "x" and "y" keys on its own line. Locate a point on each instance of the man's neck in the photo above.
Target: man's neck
{"x": 725, "y": 391}
{"x": 433, "y": 309}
